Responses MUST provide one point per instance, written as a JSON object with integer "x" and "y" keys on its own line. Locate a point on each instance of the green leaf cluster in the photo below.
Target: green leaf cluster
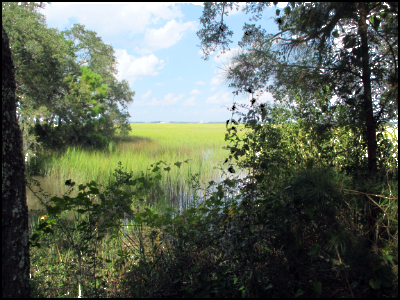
{"x": 64, "y": 99}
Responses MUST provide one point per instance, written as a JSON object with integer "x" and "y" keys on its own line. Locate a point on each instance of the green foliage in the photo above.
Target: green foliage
{"x": 315, "y": 57}
{"x": 95, "y": 214}
{"x": 40, "y": 56}
{"x": 99, "y": 57}
{"x": 98, "y": 140}
{"x": 296, "y": 225}
{"x": 305, "y": 221}
{"x": 87, "y": 124}
{"x": 55, "y": 91}
{"x": 306, "y": 202}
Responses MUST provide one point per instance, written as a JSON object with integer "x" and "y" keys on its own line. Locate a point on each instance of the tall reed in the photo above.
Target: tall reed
{"x": 201, "y": 144}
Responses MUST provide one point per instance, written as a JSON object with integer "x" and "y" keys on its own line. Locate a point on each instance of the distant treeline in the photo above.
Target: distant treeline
{"x": 179, "y": 122}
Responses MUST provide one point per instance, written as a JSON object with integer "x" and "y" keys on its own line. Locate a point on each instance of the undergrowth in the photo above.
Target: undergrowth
{"x": 303, "y": 223}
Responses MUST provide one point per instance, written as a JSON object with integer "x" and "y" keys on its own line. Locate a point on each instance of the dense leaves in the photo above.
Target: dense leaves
{"x": 99, "y": 57}
{"x": 323, "y": 51}
{"x": 66, "y": 90}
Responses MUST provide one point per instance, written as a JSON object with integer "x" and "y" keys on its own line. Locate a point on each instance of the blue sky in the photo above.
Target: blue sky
{"x": 156, "y": 49}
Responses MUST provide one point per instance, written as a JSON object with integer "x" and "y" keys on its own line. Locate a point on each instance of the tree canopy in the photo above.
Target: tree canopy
{"x": 322, "y": 50}
{"x": 66, "y": 86}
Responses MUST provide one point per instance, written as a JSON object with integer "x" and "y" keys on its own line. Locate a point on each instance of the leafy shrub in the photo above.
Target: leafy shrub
{"x": 97, "y": 140}
{"x": 298, "y": 224}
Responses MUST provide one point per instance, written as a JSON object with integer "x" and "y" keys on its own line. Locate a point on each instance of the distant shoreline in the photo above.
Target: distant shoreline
{"x": 163, "y": 122}
{"x": 167, "y": 122}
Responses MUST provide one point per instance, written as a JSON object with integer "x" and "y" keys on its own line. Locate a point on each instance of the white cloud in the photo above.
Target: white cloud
{"x": 225, "y": 59}
{"x": 166, "y": 36}
{"x": 179, "y": 78}
{"x": 194, "y": 92}
{"x": 131, "y": 67}
{"x": 200, "y": 82}
{"x": 212, "y": 89}
{"x": 168, "y": 100}
{"x": 266, "y": 97}
{"x": 190, "y": 102}
{"x": 261, "y": 96}
{"x": 282, "y": 4}
{"x": 227, "y": 56}
{"x": 217, "y": 79}
{"x": 220, "y": 98}
{"x": 159, "y": 84}
{"x": 133, "y": 18}
{"x": 145, "y": 96}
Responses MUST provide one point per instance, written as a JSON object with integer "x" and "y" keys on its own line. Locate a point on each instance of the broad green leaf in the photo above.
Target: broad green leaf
{"x": 375, "y": 284}
{"x": 299, "y": 293}
{"x": 388, "y": 257}
{"x": 318, "y": 287}
{"x": 375, "y": 22}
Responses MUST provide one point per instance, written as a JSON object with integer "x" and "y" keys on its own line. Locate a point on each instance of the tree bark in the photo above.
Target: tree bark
{"x": 366, "y": 78}
{"x": 15, "y": 235}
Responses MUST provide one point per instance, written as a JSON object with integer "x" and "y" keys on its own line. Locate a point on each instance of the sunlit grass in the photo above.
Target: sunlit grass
{"x": 201, "y": 144}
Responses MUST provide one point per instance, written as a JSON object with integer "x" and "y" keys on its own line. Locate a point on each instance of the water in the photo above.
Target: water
{"x": 48, "y": 186}
{"x": 181, "y": 198}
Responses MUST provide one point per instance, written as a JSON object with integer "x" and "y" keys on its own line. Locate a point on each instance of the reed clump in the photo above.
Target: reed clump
{"x": 202, "y": 144}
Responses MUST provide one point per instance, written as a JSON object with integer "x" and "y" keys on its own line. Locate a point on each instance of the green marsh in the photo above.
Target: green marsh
{"x": 148, "y": 143}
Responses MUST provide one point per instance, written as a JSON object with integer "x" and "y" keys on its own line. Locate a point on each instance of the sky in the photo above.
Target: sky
{"x": 156, "y": 49}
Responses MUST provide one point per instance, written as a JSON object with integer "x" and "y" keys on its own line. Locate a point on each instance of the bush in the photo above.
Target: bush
{"x": 97, "y": 140}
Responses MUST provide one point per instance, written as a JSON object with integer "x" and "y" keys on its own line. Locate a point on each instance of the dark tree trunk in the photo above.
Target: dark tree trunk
{"x": 15, "y": 247}
{"x": 369, "y": 117}
{"x": 366, "y": 78}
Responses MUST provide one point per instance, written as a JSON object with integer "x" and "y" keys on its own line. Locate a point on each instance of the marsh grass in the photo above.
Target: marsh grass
{"x": 200, "y": 144}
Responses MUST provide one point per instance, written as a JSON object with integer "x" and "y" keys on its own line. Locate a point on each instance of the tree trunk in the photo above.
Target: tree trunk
{"x": 15, "y": 247}
{"x": 366, "y": 78}
{"x": 369, "y": 117}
